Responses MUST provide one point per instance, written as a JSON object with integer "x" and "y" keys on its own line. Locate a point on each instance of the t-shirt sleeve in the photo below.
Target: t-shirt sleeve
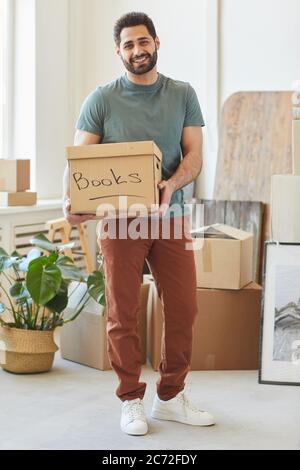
{"x": 193, "y": 113}
{"x": 92, "y": 114}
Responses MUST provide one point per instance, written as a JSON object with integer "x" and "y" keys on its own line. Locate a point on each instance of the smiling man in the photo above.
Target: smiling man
{"x": 143, "y": 104}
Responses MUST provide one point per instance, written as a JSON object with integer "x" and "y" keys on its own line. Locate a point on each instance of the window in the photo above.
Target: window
{"x": 6, "y": 7}
{"x": 2, "y": 76}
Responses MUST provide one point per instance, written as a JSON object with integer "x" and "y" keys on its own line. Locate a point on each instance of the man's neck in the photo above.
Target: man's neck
{"x": 148, "y": 78}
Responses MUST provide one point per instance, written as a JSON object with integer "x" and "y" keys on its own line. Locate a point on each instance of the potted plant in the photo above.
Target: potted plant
{"x": 34, "y": 294}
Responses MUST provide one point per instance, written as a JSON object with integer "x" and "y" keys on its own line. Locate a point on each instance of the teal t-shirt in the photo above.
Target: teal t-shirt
{"x": 122, "y": 111}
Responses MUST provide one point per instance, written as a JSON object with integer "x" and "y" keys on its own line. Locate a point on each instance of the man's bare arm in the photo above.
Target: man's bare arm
{"x": 189, "y": 168}
{"x": 191, "y": 164}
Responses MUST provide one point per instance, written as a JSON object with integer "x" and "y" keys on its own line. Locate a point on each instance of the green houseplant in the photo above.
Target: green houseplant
{"x": 35, "y": 290}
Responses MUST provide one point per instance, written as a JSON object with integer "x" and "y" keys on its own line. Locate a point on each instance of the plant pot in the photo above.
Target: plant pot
{"x": 26, "y": 351}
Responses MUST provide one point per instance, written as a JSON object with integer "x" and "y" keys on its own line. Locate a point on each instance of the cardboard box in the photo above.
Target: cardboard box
{"x": 84, "y": 340}
{"x": 225, "y": 257}
{"x": 226, "y": 330}
{"x": 100, "y": 174}
{"x": 21, "y": 198}
{"x": 285, "y": 197}
{"x": 296, "y": 146}
{"x": 14, "y": 175}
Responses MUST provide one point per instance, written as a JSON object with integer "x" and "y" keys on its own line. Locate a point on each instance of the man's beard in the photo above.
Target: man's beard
{"x": 140, "y": 69}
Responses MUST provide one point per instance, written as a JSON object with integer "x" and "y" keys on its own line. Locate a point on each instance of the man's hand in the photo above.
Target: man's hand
{"x": 166, "y": 188}
{"x": 75, "y": 219}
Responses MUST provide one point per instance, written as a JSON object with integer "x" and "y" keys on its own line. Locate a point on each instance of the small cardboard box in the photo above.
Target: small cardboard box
{"x": 21, "y": 198}
{"x": 223, "y": 257}
{"x": 14, "y": 175}
{"x": 226, "y": 330}
{"x": 296, "y": 146}
{"x": 285, "y": 220}
{"x": 84, "y": 340}
{"x": 101, "y": 174}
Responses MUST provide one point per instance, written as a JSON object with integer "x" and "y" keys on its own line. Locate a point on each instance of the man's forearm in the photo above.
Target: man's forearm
{"x": 188, "y": 170}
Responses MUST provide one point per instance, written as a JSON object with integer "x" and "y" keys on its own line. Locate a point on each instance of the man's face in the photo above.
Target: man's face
{"x": 138, "y": 50}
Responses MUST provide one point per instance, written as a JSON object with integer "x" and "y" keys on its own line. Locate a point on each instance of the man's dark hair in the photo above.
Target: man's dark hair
{"x": 133, "y": 18}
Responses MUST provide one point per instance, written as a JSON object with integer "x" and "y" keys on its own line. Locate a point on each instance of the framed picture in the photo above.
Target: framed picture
{"x": 280, "y": 322}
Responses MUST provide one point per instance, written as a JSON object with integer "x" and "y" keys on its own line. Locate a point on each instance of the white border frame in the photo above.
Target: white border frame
{"x": 275, "y": 372}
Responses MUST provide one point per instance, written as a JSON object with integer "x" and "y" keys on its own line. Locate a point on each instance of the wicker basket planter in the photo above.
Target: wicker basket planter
{"x": 26, "y": 351}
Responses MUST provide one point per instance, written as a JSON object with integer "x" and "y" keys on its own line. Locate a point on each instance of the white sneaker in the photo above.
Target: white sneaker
{"x": 133, "y": 419}
{"x": 182, "y": 410}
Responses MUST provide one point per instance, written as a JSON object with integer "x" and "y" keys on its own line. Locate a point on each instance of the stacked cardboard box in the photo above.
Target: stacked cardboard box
{"x": 226, "y": 330}
{"x": 84, "y": 340}
{"x": 15, "y": 182}
{"x": 285, "y": 196}
{"x": 223, "y": 257}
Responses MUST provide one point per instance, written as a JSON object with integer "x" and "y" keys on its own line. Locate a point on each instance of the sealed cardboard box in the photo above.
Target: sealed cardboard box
{"x": 21, "y": 198}
{"x": 226, "y": 330}
{"x": 84, "y": 340}
{"x": 114, "y": 175}
{"x": 14, "y": 175}
{"x": 296, "y": 146}
{"x": 285, "y": 220}
{"x": 223, "y": 257}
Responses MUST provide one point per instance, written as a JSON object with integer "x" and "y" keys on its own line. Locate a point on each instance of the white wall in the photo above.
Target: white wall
{"x": 181, "y": 55}
{"x": 259, "y": 45}
{"x": 53, "y": 105}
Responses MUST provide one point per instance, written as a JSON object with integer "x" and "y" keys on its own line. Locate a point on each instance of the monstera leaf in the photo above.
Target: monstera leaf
{"x": 43, "y": 280}
{"x": 96, "y": 287}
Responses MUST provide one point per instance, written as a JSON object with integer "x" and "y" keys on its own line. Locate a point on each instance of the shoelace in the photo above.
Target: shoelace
{"x": 184, "y": 399}
{"x": 135, "y": 410}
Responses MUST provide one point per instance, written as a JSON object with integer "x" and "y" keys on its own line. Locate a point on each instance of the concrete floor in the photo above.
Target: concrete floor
{"x": 75, "y": 407}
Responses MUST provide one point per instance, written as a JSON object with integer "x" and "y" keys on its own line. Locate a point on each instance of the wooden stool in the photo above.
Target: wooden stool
{"x": 64, "y": 229}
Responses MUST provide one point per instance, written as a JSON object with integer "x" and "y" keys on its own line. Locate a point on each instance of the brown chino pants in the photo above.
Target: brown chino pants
{"x": 173, "y": 270}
